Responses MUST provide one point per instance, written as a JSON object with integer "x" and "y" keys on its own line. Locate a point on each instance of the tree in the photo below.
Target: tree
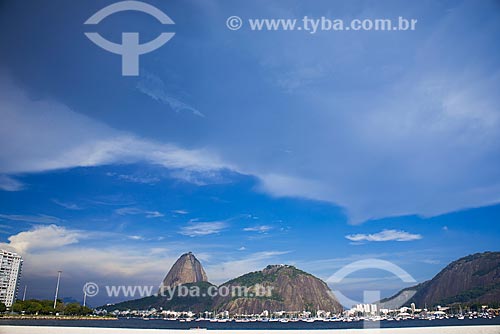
{"x": 3, "y": 308}
{"x": 18, "y": 306}
{"x": 86, "y": 310}
{"x": 72, "y": 309}
{"x": 76, "y": 309}
{"x": 59, "y": 306}
{"x": 33, "y": 307}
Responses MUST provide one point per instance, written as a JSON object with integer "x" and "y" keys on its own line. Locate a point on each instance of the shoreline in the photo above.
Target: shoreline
{"x": 488, "y": 329}
{"x": 53, "y": 317}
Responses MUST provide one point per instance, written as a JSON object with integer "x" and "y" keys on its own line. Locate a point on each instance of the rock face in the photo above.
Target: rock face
{"x": 187, "y": 269}
{"x": 471, "y": 279}
{"x": 290, "y": 290}
{"x": 276, "y": 288}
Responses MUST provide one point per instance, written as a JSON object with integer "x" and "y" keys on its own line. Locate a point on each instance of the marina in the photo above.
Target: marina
{"x": 15, "y": 326}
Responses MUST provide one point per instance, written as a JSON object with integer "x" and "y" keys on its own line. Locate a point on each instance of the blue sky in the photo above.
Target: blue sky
{"x": 248, "y": 148}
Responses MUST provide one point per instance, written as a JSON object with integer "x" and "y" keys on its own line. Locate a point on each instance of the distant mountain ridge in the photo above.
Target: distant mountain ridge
{"x": 291, "y": 290}
{"x": 471, "y": 279}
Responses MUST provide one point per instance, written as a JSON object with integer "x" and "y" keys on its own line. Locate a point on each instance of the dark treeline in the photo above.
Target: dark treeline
{"x": 34, "y": 306}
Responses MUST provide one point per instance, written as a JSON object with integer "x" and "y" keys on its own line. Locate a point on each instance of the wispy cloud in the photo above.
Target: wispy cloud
{"x": 199, "y": 177}
{"x": 154, "y": 214}
{"x": 8, "y": 183}
{"x": 180, "y": 212}
{"x": 136, "y": 237}
{"x": 258, "y": 228}
{"x": 41, "y": 219}
{"x": 66, "y": 205}
{"x": 136, "y": 211}
{"x": 135, "y": 178}
{"x": 385, "y": 235}
{"x": 154, "y": 87}
{"x": 196, "y": 229}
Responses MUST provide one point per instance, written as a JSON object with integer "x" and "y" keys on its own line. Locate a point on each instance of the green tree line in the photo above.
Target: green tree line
{"x": 34, "y": 306}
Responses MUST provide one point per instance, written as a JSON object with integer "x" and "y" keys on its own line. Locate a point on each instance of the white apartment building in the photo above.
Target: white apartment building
{"x": 367, "y": 309}
{"x": 10, "y": 273}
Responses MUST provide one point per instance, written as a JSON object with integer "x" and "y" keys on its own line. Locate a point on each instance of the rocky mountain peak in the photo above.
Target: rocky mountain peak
{"x": 187, "y": 269}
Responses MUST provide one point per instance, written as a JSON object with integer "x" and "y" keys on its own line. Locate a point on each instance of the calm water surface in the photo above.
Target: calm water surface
{"x": 164, "y": 324}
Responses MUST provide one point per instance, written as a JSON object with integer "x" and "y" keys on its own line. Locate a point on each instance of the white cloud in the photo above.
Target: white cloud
{"x": 8, "y": 183}
{"x": 42, "y": 237}
{"x": 40, "y": 219}
{"x": 137, "y": 211}
{"x": 258, "y": 228}
{"x": 385, "y": 235}
{"x": 180, "y": 212}
{"x": 46, "y": 249}
{"x": 195, "y": 229}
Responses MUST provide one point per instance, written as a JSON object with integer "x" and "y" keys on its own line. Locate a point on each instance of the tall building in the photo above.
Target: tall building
{"x": 10, "y": 273}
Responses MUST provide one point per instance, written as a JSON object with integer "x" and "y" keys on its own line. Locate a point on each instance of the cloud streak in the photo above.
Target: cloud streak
{"x": 385, "y": 235}
{"x": 40, "y": 219}
{"x": 258, "y": 229}
{"x": 136, "y": 211}
{"x": 8, "y": 183}
{"x": 197, "y": 229}
{"x": 67, "y": 205}
{"x": 153, "y": 86}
